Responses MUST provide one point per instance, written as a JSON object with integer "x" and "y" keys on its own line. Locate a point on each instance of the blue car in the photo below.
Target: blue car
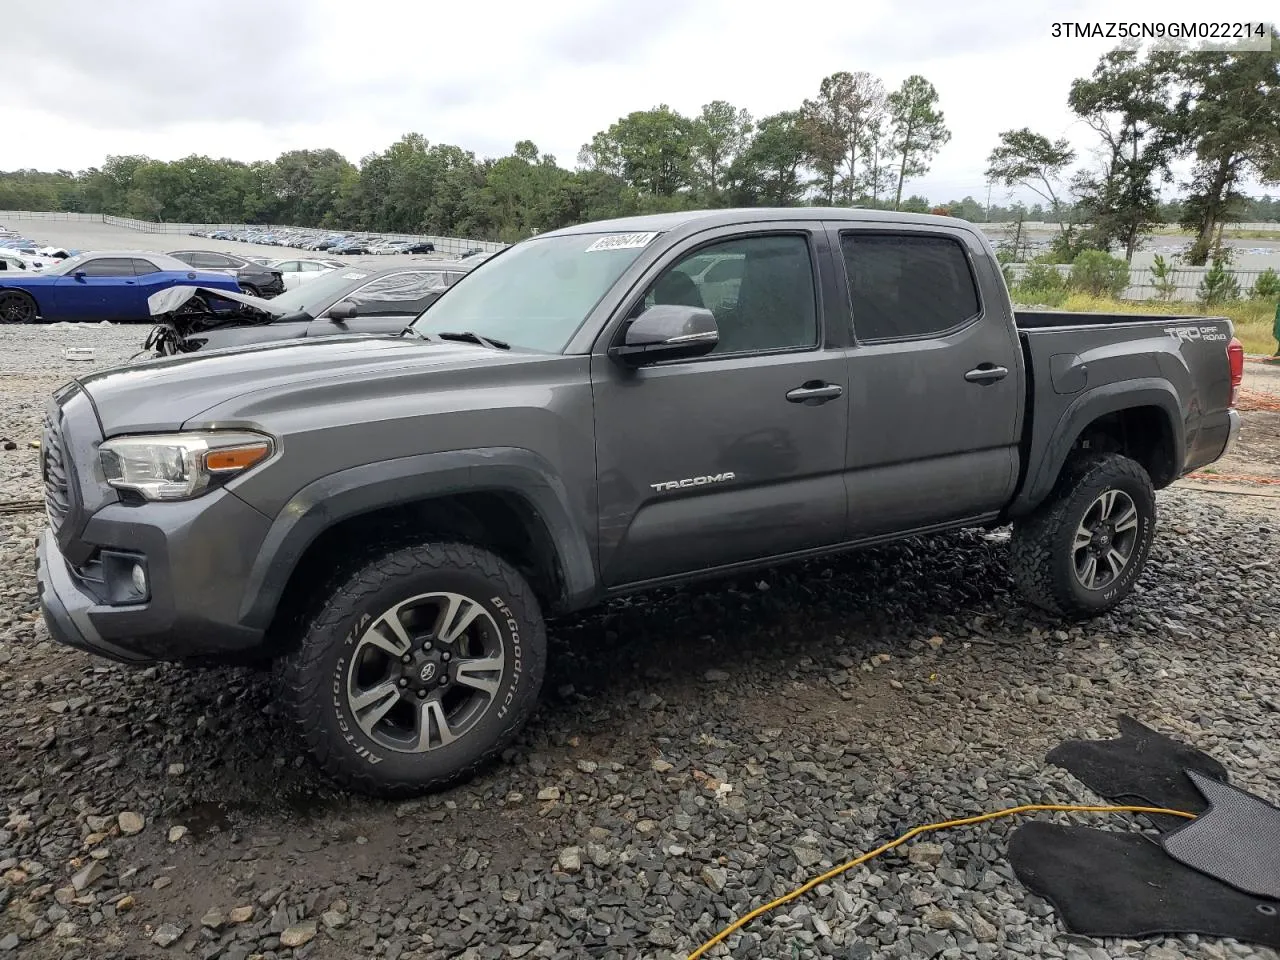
{"x": 98, "y": 286}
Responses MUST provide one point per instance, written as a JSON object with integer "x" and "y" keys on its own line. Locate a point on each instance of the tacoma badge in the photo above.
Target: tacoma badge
{"x": 692, "y": 482}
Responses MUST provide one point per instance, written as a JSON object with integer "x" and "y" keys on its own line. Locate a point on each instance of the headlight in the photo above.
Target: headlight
{"x": 181, "y": 465}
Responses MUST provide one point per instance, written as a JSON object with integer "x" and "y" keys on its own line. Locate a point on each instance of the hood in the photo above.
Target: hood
{"x": 164, "y": 393}
{"x": 171, "y": 298}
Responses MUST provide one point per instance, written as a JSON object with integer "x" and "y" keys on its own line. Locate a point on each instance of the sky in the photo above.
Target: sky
{"x": 249, "y": 79}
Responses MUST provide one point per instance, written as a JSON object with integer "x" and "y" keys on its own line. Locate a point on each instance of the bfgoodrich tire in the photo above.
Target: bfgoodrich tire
{"x": 417, "y": 670}
{"x": 1081, "y": 552}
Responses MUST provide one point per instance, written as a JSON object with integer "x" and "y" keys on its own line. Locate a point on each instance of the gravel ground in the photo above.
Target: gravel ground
{"x": 698, "y": 752}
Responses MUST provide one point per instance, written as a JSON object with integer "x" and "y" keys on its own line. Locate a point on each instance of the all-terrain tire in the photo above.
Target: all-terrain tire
{"x": 314, "y": 674}
{"x": 1043, "y": 558}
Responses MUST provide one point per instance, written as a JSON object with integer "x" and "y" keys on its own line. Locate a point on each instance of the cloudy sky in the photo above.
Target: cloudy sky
{"x": 249, "y": 79}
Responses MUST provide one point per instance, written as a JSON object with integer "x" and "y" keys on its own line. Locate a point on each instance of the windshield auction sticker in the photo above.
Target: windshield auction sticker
{"x": 622, "y": 241}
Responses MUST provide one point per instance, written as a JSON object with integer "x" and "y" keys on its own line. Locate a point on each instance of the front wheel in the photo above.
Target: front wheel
{"x": 1082, "y": 550}
{"x": 17, "y": 307}
{"x": 418, "y": 669}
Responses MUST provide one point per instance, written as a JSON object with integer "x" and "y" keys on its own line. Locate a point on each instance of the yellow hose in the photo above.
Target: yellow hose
{"x": 915, "y": 832}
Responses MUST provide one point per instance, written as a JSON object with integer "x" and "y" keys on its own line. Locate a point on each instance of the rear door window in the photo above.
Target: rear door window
{"x": 907, "y": 286}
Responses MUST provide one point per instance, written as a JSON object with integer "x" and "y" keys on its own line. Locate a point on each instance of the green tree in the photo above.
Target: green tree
{"x": 919, "y": 129}
{"x": 835, "y": 123}
{"x": 1219, "y": 285}
{"x": 651, "y": 149}
{"x": 768, "y": 172}
{"x": 1031, "y": 160}
{"x": 1125, "y": 101}
{"x": 1227, "y": 113}
{"x": 1267, "y": 286}
{"x": 720, "y": 133}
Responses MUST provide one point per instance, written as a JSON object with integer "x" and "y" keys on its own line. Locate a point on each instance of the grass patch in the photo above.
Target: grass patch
{"x": 1253, "y": 319}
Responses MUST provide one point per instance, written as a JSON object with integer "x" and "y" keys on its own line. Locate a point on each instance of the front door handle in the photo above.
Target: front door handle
{"x": 814, "y": 392}
{"x": 987, "y": 373}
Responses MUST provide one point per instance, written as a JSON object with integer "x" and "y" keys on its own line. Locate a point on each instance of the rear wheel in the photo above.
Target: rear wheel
{"x": 17, "y": 307}
{"x": 249, "y": 290}
{"x": 419, "y": 668}
{"x": 1081, "y": 552}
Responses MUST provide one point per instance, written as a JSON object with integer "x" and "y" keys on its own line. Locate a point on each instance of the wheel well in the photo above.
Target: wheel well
{"x": 501, "y": 522}
{"x": 1143, "y": 434}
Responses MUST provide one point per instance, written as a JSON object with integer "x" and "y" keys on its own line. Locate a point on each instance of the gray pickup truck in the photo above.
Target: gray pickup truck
{"x": 599, "y": 410}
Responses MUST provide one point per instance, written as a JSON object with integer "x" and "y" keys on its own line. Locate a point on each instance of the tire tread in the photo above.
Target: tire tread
{"x": 304, "y": 678}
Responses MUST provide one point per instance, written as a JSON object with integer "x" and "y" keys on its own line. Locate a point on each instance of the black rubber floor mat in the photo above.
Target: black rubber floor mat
{"x": 1140, "y": 768}
{"x": 1109, "y": 884}
{"x": 1237, "y": 840}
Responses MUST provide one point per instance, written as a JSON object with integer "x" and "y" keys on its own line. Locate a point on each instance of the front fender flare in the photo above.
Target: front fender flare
{"x": 348, "y": 493}
{"x": 1103, "y": 400}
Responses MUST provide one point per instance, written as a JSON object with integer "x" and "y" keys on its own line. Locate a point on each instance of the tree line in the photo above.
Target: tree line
{"x": 854, "y": 143}
{"x": 1219, "y": 109}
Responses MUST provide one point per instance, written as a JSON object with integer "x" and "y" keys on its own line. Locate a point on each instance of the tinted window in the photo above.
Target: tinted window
{"x": 144, "y": 267}
{"x": 907, "y": 286}
{"x": 310, "y": 266}
{"x": 287, "y": 266}
{"x": 760, "y": 290}
{"x": 107, "y": 267}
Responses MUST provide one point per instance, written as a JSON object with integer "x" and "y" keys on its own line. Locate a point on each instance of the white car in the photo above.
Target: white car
{"x": 297, "y": 272}
{"x": 17, "y": 260}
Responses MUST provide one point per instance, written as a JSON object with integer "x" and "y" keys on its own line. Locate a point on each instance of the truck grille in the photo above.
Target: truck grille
{"x": 57, "y": 497}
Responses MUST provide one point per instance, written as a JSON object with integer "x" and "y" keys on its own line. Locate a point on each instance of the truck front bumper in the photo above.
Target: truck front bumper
{"x": 66, "y": 606}
{"x": 196, "y": 554}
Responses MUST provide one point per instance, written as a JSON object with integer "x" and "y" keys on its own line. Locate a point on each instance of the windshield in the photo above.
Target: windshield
{"x": 65, "y": 267}
{"x": 321, "y": 290}
{"x": 536, "y": 294}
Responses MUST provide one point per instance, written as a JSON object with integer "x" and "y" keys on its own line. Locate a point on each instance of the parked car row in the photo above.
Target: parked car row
{"x": 113, "y": 286}
{"x": 337, "y": 243}
{"x": 22, "y": 253}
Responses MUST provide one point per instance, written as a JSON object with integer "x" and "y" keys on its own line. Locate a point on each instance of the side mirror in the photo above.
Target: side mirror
{"x": 667, "y": 331}
{"x": 80, "y": 274}
{"x": 342, "y": 310}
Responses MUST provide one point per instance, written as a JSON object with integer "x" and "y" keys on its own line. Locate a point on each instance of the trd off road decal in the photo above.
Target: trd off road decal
{"x": 1193, "y": 333}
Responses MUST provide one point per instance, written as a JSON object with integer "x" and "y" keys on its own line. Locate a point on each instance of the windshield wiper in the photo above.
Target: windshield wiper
{"x": 469, "y": 336}
{"x": 473, "y": 337}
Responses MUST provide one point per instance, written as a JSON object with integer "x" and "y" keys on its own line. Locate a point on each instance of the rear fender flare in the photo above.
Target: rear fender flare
{"x": 363, "y": 489}
{"x": 1096, "y": 403}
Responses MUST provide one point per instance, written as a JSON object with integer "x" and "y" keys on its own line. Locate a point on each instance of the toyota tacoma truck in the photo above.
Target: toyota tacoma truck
{"x": 594, "y": 411}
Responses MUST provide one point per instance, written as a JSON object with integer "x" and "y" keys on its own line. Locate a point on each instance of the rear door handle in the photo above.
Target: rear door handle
{"x": 987, "y": 373}
{"x": 814, "y": 392}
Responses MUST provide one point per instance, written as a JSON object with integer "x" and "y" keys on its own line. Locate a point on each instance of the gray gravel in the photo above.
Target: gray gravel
{"x": 698, "y": 752}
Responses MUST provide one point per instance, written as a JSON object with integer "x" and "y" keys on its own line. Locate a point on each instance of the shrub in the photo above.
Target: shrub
{"x": 1267, "y": 286}
{"x": 1099, "y": 274}
{"x": 1219, "y": 284}
{"x": 1162, "y": 278}
{"x": 1041, "y": 284}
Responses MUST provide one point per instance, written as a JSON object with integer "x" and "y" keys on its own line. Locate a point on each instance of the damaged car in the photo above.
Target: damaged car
{"x": 352, "y": 300}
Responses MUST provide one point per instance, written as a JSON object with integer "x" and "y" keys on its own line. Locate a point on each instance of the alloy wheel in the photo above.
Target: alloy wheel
{"x": 425, "y": 671}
